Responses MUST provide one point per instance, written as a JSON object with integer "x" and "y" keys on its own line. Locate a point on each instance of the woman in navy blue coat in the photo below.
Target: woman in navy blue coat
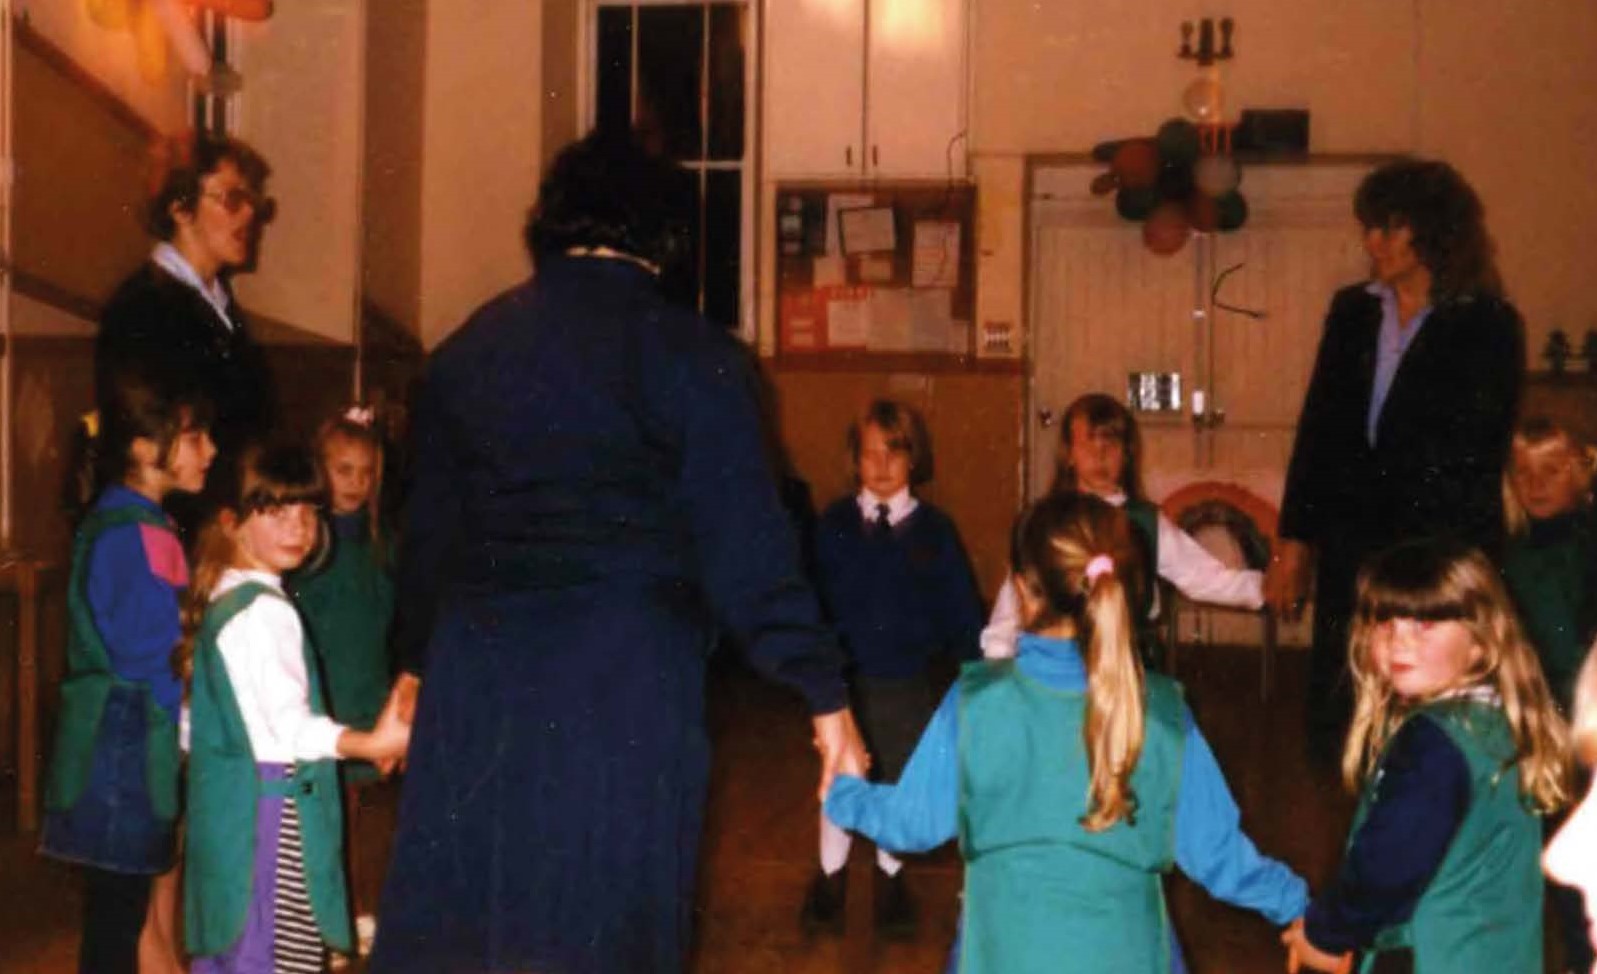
{"x": 591, "y": 504}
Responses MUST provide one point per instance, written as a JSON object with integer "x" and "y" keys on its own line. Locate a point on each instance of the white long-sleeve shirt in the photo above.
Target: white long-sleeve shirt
{"x": 263, "y": 650}
{"x": 1183, "y": 562}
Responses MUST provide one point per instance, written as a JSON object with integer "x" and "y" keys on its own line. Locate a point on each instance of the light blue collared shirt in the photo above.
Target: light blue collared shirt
{"x": 168, "y": 258}
{"x": 1390, "y": 346}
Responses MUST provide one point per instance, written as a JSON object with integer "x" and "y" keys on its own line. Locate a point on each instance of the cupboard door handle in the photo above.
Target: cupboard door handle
{"x": 848, "y": 155}
{"x": 875, "y": 158}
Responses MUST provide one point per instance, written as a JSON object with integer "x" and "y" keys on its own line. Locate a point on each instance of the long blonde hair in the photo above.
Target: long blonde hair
{"x": 1448, "y": 581}
{"x": 1055, "y": 542}
{"x": 259, "y": 480}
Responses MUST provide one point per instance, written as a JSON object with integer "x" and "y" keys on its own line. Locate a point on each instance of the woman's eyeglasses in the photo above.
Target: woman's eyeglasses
{"x": 235, "y": 199}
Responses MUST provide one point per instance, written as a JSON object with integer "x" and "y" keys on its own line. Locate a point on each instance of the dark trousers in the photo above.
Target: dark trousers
{"x": 114, "y": 907}
{"x": 1330, "y": 700}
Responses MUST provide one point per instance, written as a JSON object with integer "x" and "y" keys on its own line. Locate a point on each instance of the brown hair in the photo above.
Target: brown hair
{"x": 261, "y": 479}
{"x": 1446, "y": 219}
{"x": 1442, "y": 580}
{"x": 181, "y": 162}
{"x": 1054, "y": 542}
{"x": 905, "y": 432}
{"x": 1100, "y": 412}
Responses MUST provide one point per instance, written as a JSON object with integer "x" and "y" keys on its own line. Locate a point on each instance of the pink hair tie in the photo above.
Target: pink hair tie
{"x": 1098, "y": 566}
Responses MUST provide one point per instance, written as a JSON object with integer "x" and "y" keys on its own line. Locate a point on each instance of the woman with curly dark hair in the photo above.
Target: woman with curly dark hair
{"x": 1405, "y": 427}
{"x": 591, "y": 504}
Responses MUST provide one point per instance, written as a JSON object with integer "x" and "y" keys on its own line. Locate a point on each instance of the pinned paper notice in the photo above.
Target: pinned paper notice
{"x": 830, "y": 270}
{"x": 936, "y": 253}
{"x": 848, "y": 321}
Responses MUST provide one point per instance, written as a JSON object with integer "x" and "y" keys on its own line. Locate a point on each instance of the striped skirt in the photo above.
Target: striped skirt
{"x": 280, "y": 935}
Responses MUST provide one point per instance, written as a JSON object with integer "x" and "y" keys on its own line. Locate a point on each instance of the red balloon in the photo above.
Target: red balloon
{"x": 1166, "y": 230}
{"x": 1136, "y": 163}
{"x": 1203, "y": 213}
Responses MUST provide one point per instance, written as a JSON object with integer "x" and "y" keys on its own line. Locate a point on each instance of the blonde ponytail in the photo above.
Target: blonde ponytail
{"x": 1113, "y": 730}
{"x": 1076, "y": 554}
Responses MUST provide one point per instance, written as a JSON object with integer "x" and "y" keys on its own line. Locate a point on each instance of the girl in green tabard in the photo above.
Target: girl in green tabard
{"x": 1072, "y": 779}
{"x": 1550, "y": 565}
{"x": 111, "y": 802}
{"x": 347, "y": 601}
{"x": 264, "y": 876}
{"x": 1455, "y": 747}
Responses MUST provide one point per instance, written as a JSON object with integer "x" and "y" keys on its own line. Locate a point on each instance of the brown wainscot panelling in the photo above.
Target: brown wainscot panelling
{"x": 975, "y": 423}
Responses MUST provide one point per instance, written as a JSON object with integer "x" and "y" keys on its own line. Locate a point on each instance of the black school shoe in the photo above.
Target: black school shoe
{"x": 823, "y": 903}
{"x": 895, "y": 908}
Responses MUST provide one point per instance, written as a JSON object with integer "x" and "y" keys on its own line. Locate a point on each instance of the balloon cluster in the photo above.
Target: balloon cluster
{"x": 1170, "y": 186}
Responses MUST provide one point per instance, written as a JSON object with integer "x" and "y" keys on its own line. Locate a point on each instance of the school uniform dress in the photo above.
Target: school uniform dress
{"x": 592, "y": 503}
{"x": 1178, "y": 558}
{"x": 111, "y": 797}
{"x": 1443, "y": 859}
{"x": 263, "y": 882}
{"x": 1001, "y": 767}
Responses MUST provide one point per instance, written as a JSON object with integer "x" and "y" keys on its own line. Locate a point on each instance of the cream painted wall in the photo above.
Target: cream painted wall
{"x": 396, "y": 55}
{"x": 1500, "y": 92}
{"x": 110, "y": 56}
{"x": 481, "y": 147}
{"x": 301, "y": 107}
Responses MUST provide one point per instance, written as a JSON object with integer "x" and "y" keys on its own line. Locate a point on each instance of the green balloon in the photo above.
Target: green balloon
{"x": 1136, "y": 204}
{"x": 1233, "y": 211}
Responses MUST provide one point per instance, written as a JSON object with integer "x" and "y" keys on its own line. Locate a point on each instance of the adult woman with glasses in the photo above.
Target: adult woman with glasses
{"x": 176, "y": 311}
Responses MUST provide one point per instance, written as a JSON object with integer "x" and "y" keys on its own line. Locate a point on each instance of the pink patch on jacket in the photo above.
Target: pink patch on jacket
{"x": 165, "y": 555}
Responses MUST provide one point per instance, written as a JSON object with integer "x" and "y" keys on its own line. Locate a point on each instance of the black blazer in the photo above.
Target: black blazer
{"x": 1442, "y": 439}
{"x": 156, "y": 322}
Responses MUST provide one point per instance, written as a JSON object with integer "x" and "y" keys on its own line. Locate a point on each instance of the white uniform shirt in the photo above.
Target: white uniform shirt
{"x": 1183, "y": 562}
{"x": 263, "y": 650}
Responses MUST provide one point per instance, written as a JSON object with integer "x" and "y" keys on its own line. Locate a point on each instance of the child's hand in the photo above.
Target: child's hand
{"x": 1301, "y": 954}
{"x": 390, "y": 740}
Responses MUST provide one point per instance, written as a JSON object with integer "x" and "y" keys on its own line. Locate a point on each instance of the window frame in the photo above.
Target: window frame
{"x": 587, "y": 108}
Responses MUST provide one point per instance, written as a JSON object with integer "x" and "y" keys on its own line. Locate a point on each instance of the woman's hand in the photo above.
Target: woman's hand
{"x": 1286, "y": 581}
{"x": 1303, "y": 955}
{"x": 842, "y": 750}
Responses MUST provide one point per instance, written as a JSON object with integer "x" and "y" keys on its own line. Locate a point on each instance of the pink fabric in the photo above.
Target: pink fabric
{"x": 165, "y": 555}
{"x": 1099, "y": 565}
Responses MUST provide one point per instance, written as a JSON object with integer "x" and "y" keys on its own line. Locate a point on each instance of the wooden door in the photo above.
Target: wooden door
{"x": 815, "y": 88}
{"x": 915, "y": 88}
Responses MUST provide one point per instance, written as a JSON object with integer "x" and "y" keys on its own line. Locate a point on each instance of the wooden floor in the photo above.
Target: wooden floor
{"x": 759, "y": 849}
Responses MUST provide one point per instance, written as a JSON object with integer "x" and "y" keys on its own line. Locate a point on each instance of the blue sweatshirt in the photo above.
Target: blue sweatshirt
{"x": 898, "y": 597}
{"x": 921, "y": 811}
{"x": 135, "y": 574}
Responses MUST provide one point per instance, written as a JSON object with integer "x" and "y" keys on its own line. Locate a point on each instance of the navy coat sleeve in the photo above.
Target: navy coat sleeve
{"x": 748, "y": 557}
{"x": 431, "y": 523}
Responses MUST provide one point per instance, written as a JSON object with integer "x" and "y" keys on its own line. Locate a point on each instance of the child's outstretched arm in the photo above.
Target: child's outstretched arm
{"x": 383, "y": 744}
{"x": 1421, "y": 800}
{"x": 920, "y": 812}
{"x": 1212, "y": 849}
{"x": 1202, "y": 577}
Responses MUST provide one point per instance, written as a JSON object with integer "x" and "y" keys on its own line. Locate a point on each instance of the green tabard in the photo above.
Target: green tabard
{"x": 1482, "y": 912}
{"x": 1042, "y": 894}
{"x": 224, "y": 791}
{"x": 88, "y": 684}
